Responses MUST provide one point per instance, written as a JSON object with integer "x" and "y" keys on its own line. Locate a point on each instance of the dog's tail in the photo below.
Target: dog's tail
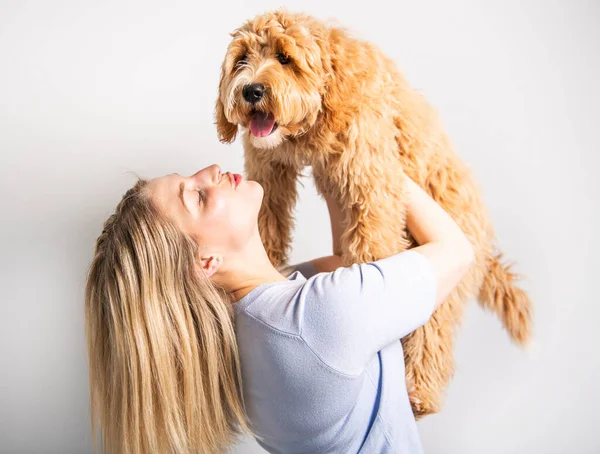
{"x": 511, "y": 304}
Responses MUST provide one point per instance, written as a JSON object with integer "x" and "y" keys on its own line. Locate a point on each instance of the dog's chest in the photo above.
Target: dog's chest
{"x": 293, "y": 154}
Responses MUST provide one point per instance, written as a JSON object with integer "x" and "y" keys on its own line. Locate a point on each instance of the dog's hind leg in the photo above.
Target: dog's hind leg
{"x": 429, "y": 359}
{"x": 275, "y": 219}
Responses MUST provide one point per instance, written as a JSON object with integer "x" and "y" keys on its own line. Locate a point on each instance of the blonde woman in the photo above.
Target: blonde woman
{"x": 194, "y": 337}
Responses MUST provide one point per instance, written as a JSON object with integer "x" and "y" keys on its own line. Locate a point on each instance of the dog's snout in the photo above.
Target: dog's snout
{"x": 253, "y": 93}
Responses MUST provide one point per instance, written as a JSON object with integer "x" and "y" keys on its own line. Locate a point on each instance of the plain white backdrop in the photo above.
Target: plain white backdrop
{"x": 93, "y": 91}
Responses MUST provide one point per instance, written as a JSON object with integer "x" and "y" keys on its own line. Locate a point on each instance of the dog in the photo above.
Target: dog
{"x": 305, "y": 93}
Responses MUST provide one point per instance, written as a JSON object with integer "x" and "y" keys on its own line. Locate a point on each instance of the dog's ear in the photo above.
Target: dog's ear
{"x": 226, "y": 130}
{"x": 339, "y": 103}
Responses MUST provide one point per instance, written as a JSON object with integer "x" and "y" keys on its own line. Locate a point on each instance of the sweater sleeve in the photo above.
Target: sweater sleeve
{"x": 353, "y": 312}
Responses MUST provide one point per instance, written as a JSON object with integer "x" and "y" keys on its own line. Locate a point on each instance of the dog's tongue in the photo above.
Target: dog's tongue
{"x": 261, "y": 124}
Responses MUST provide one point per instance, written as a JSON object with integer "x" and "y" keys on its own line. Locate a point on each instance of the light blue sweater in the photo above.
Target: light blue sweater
{"x": 322, "y": 365}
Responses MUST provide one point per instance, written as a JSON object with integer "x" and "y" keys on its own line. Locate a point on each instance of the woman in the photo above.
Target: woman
{"x": 193, "y": 335}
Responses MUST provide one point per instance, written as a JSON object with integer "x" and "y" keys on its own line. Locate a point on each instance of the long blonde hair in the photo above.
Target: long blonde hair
{"x": 164, "y": 368}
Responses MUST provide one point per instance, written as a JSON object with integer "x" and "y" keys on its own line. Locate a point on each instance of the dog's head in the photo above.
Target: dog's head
{"x": 272, "y": 79}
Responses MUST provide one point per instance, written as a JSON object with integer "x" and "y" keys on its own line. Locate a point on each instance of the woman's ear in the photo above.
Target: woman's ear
{"x": 211, "y": 264}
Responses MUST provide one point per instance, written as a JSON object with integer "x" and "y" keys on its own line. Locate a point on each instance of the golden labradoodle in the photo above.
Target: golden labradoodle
{"x": 308, "y": 94}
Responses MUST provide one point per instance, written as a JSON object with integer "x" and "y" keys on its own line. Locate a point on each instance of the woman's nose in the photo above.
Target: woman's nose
{"x": 212, "y": 172}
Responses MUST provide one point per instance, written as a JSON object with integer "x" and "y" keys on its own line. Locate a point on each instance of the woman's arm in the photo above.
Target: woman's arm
{"x": 326, "y": 264}
{"x": 354, "y": 312}
{"x": 311, "y": 267}
{"x": 439, "y": 238}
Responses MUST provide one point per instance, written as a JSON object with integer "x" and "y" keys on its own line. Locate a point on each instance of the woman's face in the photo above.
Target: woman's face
{"x": 219, "y": 209}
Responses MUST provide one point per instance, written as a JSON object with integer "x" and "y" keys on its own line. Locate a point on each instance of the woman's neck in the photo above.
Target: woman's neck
{"x": 246, "y": 272}
{"x": 249, "y": 283}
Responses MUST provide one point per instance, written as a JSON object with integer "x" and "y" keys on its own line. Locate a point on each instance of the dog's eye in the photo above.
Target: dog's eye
{"x": 283, "y": 59}
{"x": 242, "y": 60}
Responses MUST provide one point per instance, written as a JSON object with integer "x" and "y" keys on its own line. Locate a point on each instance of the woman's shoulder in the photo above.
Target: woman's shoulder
{"x": 273, "y": 306}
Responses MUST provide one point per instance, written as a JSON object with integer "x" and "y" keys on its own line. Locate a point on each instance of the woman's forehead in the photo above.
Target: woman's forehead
{"x": 166, "y": 183}
{"x": 162, "y": 190}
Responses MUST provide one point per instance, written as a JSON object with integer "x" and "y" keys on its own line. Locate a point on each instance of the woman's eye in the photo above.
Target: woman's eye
{"x": 283, "y": 59}
{"x": 201, "y": 195}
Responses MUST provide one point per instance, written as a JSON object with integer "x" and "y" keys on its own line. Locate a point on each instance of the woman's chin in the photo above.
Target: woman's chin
{"x": 257, "y": 188}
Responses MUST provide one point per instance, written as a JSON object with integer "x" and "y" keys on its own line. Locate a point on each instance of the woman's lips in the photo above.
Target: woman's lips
{"x": 237, "y": 178}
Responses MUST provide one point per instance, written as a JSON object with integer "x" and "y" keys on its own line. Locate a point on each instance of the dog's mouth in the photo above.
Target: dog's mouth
{"x": 262, "y": 124}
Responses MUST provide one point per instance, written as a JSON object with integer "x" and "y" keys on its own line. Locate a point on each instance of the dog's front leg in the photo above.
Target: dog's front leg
{"x": 275, "y": 219}
{"x": 374, "y": 208}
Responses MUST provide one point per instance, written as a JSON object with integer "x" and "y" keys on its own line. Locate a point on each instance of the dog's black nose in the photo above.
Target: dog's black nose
{"x": 253, "y": 93}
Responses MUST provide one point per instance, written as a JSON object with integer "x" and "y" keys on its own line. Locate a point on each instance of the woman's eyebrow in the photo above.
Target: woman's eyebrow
{"x": 181, "y": 189}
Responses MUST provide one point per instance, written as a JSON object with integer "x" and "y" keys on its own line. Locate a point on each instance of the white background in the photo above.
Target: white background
{"x": 91, "y": 92}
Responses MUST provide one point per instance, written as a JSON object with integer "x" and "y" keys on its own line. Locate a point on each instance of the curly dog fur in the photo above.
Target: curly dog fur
{"x": 342, "y": 107}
